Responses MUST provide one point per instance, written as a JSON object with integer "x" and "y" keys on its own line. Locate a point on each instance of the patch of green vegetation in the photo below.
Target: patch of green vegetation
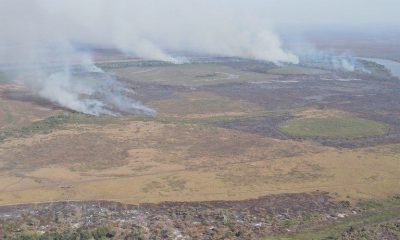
{"x": 126, "y": 64}
{"x": 201, "y": 106}
{"x": 228, "y": 220}
{"x": 381, "y": 213}
{"x": 388, "y": 230}
{"x": 295, "y": 70}
{"x": 99, "y": 233}
{"x": 45, "y": 126}
{"x": 191, "y": 74}
{"x": 209, "y": 75}
{"x": 214, "y": 119}
{"x": 103, "y": 233}
{"x": 370, "y": 204}
{"x": 299, "y": 220}
{"x": 54, "y": 122}
{"x": 333, "y": 127}
{"x": 168, "y": 183}
{"x": 152, "y": 186}
{"x": 175, "y": 183}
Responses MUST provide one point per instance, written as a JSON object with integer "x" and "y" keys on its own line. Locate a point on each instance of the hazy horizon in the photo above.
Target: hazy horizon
{"x": 37, "y": 32}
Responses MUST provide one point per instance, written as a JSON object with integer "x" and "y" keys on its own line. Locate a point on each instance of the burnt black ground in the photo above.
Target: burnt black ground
{"x": 367, "y": 97}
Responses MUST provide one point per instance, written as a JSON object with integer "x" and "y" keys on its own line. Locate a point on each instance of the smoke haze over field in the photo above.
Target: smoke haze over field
{"x": 33, "y": 30}
{"x": 148, "y": 29}
{"x": 39, "y": 32}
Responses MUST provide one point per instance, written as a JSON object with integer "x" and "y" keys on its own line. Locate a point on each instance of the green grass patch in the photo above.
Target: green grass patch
{"x": 215, "y": 119}
{"x": 378, "y": 212}
{"x": 45, "y": 126}
{"x": 99, "y": 233}
{"x": 58, "y": 121}
{"x": 333, "y": 127}
{"x": 295, "y": 70}
{"x": 296, "y": 221}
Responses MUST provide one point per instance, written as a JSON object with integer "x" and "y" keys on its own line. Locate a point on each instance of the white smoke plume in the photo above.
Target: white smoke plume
{"x": 88, "y": 89}
{"x": 41, "y": 33}
{"x": 310, "y": 55}
{"x": 329, "y": 60}
{"x": 148, "y": 29}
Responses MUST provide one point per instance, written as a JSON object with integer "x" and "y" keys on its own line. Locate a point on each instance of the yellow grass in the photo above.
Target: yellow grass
{"x": 168, "y": 162}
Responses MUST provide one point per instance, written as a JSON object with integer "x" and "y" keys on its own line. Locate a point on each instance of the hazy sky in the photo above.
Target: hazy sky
{"x": 328, "y": 12}
{"x": 149, "y": 28}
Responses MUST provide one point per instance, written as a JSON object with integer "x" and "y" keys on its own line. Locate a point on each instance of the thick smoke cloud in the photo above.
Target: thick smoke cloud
{"x": 41, "y": 34}
{"x": 148, "y": 29}
{"x": 151, "y": 29}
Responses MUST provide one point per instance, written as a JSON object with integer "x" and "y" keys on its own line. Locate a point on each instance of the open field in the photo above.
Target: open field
{"x": 218, "y": 141}
{"x": 293, "y": 70}
{"x": 333, "y": 127}
{"x": 191, "y": 75}
{"x": 136, "y": 161}
{"x": 202, "y": 104}
{"x": 224, "y": 131}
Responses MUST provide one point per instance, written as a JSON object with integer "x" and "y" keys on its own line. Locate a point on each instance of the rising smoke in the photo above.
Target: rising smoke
{"x": 39, "y": 35}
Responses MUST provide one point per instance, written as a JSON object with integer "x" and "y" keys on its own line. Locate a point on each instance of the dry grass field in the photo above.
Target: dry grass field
{"x": 184, "y": 154}
{"x": 137, "y": 161}
{"x": 223, "y": 132}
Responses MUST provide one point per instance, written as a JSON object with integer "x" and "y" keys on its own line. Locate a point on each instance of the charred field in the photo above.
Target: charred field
{"x": 239, "y": 149}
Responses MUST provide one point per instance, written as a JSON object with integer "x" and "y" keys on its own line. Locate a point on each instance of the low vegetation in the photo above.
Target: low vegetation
{"x": 379, "y": 220}
{"x": 202, "y": 104}
{"x": 47, "y": 125}
{"x": 223, "y": 132}
{"x": 43, "y": 126}
{"x": 294, "y": 70}
{"x": 99, "y": 233}
{"x": 132, "y": 63}
{"x": 275, "y": 217}
{"x": 333, "y": 127}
